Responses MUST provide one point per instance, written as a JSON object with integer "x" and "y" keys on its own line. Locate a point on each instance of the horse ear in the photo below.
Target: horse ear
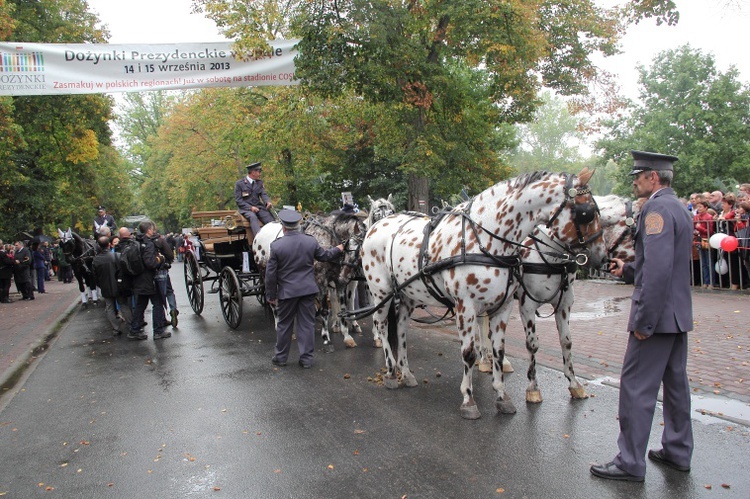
{"x": 585, "y": 175}
{"x": 60, "y": 233}
{"x": 390, "y": 197}
{"x": 370, "y": 199}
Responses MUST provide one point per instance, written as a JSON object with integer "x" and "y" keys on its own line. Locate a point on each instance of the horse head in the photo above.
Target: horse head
{"x": 618, "y": 216}
{"x": 379, "y": 209}
{"x": 576, "y": 223}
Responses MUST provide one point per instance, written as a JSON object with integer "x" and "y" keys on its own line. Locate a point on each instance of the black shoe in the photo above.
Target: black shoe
{"x": 659, "y": 457}
{"x": 140, "y": 335}
{"x": 161, "y": 336}
{"x": 612, "y": 472}
{"x": 174, "y": 314}
{"x": 304, "y": 366}
{"x": 277, "y": 362}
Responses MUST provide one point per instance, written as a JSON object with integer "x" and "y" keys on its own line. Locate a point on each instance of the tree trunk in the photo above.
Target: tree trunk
{"x": 419, "y": 193}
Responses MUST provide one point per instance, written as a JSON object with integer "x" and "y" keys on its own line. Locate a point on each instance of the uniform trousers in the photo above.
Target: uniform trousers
{"x": 301, "y": 308}
{"x": 263, "y": 215}
{"x": 662, "y": 358}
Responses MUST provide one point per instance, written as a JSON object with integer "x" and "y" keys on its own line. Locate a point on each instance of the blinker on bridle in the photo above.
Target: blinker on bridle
{"x": 583, "y": 214}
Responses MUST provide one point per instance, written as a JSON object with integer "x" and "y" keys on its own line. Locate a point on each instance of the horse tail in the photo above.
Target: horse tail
{"x": 393, "y": 327}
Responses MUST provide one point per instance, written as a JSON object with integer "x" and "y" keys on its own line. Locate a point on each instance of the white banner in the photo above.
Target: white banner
{"x": 53, "y": 69}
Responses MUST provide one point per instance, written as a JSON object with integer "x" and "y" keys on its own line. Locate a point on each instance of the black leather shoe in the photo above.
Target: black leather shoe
{"x": 277, "y": 362}
{"x": 660, "y": 457}
{"x": 612, "y": 472}
{"x": 304, "y": 366}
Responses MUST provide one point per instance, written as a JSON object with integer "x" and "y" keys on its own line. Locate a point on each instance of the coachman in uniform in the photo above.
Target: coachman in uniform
{"x": 661, "y": 314}
{"x": 290, "y": 285}
{"x": 252, "y": 199}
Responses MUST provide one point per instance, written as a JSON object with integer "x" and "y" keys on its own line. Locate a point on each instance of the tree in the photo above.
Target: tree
{"x": 691, "y": 110}
{"x": 414, "y": 58}
{"x": 58, "y": 148}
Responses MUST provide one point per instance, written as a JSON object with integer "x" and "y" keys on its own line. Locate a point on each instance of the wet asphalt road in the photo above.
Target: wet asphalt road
{"x": 204, "y": 413}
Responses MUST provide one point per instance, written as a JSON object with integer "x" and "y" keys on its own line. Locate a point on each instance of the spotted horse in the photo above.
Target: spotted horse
{"x": 330, "y": 230}
{"x": 352, "y": 273}
{"x": 468, "y": 259}
{"x": 547, "y": 279}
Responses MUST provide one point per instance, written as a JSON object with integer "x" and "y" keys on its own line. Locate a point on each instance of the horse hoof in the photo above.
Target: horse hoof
{"x": 533, "y": 396}
{"x": 470, "y": 411}
{"x": 350, "y": 343}
{"x": 328, "y": 347}
{"x": 504, "y": 405}
{"x": 578, "y": 393}
{"x": 390, "y": 382}
{"x": 485, "y": 366}
{"x": 410, "y": 381}
{"x": 85, "y": 306}
{"x": 507, "y": 367}
{"x": 377, "y": 343}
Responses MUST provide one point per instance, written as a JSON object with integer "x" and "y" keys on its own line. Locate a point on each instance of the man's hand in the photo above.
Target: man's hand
{"x": 615, "y": 267}
{"x": 268, "y": 205}
{"x": 254, "y": 209}
{"x": 273, "y": 302}
{"x": 340, "y": 247}
{"x": 639, "y": 336}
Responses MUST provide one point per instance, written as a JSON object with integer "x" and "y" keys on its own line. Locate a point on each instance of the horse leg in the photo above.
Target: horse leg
{"x": 485, "y": 358}
{"x": 562, "y": 318}
{"x": 467, "y": 323}
{"x": 527, "y": 309}
{"x": 404, "y": 312}
{"x": 81, "y": 287}
{"x": 323, "y": 314}
{"x": 342, "y": 295}
{"x": 498, "y": 325}
{"x": 383, "y": 319}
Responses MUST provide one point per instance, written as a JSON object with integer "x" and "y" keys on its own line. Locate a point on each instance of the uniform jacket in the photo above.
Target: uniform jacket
{"x": 107, "y": 220}
{"x": 107, "y": 269}
{"x": 247, "y": 194}
{"x": 22, "y": 270}
{"x": 289, "y": 272}
{"x": 661, "y": 301}
{"x": 143, "y": 284}
{"x": 6, "y": 265}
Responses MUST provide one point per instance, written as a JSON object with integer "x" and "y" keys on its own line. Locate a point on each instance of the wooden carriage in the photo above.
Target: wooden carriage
{"x": 223, "y": 257}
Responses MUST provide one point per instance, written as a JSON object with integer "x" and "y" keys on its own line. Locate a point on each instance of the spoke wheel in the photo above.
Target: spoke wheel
{"x": 194, "y": 282}
{"x": 230, "y": 297}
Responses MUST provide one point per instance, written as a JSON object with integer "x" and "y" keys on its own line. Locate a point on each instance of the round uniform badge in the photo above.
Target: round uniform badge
{"x": 654, "y": 223}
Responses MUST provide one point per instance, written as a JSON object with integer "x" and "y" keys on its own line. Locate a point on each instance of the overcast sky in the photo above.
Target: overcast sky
{"x": 720, "y": 27}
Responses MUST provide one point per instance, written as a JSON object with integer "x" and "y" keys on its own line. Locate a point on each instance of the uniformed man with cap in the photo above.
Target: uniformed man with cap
{"x": 290, "y": 285}
{"x": 252, "y": 199}
{"x": 103, "y": 220}
{"x": 661, "y": 314}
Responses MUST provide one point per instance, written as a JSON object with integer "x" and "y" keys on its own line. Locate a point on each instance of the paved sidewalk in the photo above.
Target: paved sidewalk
{"x": 26, "y": 327}
{"x": 718, "y": 363}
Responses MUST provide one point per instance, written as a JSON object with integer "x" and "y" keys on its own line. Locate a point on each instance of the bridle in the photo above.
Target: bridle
{"x": 584, "y": 212}
{"x": 629, "y": 228}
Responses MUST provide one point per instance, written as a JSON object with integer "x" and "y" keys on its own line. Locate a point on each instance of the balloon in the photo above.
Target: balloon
{"x": 715, "y": 240}
{"x": 729, "y": 243}
{"x": 721, "y": 266}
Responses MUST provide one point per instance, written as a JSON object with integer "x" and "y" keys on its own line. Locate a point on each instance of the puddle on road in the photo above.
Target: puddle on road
{"x": 706, "y": 409}
{"x": 606, "y": 307}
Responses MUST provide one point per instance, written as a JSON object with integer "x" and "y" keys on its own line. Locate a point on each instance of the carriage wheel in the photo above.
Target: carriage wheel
{"x": 230, "y": 297}
{"x": 194, "y": 282}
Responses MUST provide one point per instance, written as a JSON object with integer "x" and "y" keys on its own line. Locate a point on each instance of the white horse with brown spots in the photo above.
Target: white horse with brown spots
{"x": 549, "y": 280}
{"x": 468, "y": 260}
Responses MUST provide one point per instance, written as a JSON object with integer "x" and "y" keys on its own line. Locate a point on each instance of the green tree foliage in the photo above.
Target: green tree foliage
{"x": 691, "y": 110}
{"x": 58, "y": 148}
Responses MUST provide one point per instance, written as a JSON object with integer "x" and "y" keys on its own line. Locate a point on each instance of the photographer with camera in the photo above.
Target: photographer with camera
{"x": 144, "y": 286}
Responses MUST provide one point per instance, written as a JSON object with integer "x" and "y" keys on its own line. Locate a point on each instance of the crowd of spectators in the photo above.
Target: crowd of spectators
{"x": 727, "y": 213}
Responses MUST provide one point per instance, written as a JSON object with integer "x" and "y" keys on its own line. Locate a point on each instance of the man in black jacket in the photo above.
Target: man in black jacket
{"x": 6, "y": 273}
{"x": 144, "y": 289}
{"x": 22, "y": 271}
{"x": 107, "y": 269}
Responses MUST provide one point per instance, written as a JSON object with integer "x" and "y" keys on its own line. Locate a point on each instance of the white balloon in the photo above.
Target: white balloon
{"x": 721, "y": 266}
{"x": 715, "y": 240}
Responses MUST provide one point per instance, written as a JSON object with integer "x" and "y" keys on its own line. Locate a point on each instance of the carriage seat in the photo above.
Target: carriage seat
{"x": 210, "y": 235}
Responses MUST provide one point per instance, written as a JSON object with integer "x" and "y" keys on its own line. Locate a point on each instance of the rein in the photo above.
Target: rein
{"x": 629, "y": 227}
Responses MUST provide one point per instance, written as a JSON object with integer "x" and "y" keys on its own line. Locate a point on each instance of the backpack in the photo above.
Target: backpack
{"x": 131, "y": 260}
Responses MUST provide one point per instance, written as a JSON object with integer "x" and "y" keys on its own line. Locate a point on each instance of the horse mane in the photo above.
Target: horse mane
{"x": 528, "y": 178}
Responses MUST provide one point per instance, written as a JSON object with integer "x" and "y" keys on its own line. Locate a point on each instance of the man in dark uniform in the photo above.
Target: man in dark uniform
{"x": 252, "y": 199}
{"x": 290, "y": 285}
{"x": 661, "y": 314}
{"x": 103, "y": 220}
{"x": 22, "y": 271}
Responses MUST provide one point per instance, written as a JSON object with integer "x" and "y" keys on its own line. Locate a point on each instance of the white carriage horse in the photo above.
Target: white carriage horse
{"x": 548, "y": 279}
{"x": 328, "y": 231}
{"x": 468, "y": 260}
{"x": 351, "y": 272}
